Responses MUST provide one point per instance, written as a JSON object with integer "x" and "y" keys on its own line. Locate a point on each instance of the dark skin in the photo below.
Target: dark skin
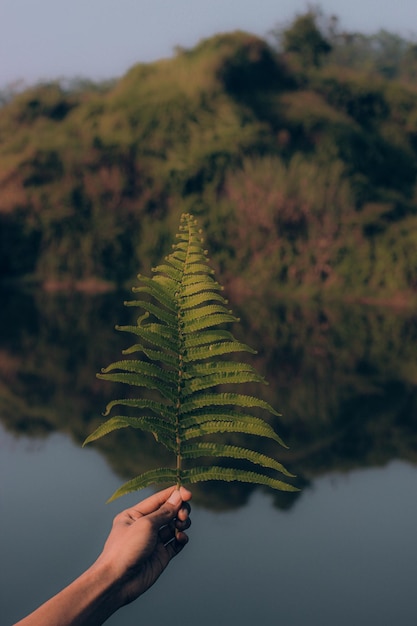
{"x": 141, "y": 543}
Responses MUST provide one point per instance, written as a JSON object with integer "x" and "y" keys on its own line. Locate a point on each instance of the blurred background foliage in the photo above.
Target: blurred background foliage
{"x": 297, "y": 153}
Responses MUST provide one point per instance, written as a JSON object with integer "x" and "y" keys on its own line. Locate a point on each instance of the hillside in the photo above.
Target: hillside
{"x": 303, "y": 178}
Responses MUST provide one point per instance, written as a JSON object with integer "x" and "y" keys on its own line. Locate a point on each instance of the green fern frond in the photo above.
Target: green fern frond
{"x": 218, "y": 378}
{"x": 152, "y": 477}
{"x": 184, "y": 361}
{"x": 198, "y": 474}
{"x": 162, "y": 314}
{"x": 167, "y": 475}
{"x": 222, "y": 368}
{"x": 141, "y": 381}
{"x": 224, "y": 399}
{"x": 141, "y": 367}
{"x": 198, "y": 449}
{"x": 229, "y": 423}
{"x": 157, "y": 291}
{"x": 210, "y": 320}
{"x": 201, "y": 298}
{"x": 204, "y": 337}
{"x": 163, "y": 431}
{"x": 188, "y": 316}
{"x": 155, "y": 355}
{"x": 152, "y": 335}
{"x": 165, "y": 410}
{"x": 202, "y": 352}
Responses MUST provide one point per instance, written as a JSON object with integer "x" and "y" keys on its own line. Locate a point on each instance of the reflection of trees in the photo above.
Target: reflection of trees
{"x": 55, "y": 344}
{"x": 343, "y": 377}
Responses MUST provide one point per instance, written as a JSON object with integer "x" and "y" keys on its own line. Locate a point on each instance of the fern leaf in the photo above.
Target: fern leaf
{"x": 221, "y": 399}
{"x": 208, "y": 321}
{"x": 202, "y": 279}
{"x": 200, "y": 268}
{"x": 204, "y": 337}
{"x": 184, "y": 359}
{"x": 138, "y": 380}
{"x": 195, "y": 288}
{"x": 188, "y": 316}
{"x": 170, "y": 271}
{"x": 205, "y": 368}
{"x": 141, "y": 367}
{"x": 216, "y": 349}
{"x": 176, "y": 261}
{"x": 198, "y": 449}
{"x": 158, "y": 477}
{"x": 239, "y": 424}
{"x": 152, "y": 336}
{"x": 161, "y": 314}
{"x": 198, "y": 474}
{"x": 164, "y": 297}
{"x": 219, "y": 378}
{"x": 155, "y": 355}
{"x": 162, "y": 430}
{"x": 201, "y": 298}
{"x": 165, "y": 410}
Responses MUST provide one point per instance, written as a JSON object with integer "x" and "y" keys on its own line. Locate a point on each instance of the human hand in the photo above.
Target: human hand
{"x": 144, "y": 538}
{"x": 141, "y": 543}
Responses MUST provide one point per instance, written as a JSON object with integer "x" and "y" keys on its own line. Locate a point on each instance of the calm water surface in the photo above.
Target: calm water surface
{"x": 344, "y": 554}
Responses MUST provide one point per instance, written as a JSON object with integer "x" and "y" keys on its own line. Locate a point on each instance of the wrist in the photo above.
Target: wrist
{"x": 105, "y": 582}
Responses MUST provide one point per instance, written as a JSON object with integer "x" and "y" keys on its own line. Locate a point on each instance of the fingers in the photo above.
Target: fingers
{"x": 183, "y": 525}
{"x": 173, "y": 495}
{"x": 184, "y": 511}
{"x": 168, "y": 511}
{"x": 176, "y": 545}
{"x": 175, "y": 528}
{"x": 153, "y": 502}
{"x": 184, "y": 494}
{"x": 168, "y": 533}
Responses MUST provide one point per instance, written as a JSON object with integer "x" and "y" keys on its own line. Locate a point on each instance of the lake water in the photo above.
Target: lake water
{"x": 342, "y": 553}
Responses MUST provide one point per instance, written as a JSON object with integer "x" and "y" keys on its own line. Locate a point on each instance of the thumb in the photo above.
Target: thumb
{"x": 168, "y": 510}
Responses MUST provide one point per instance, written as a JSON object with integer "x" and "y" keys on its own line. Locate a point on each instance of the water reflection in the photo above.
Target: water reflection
{"x": 344, "y": 378}
{"x": 344, "y": 555}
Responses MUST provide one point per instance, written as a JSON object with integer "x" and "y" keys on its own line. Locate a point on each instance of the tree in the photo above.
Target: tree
{"x": 305, "y": 39}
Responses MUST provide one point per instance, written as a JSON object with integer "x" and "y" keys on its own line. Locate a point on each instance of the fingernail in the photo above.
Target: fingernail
{"x": 175, "y": 498}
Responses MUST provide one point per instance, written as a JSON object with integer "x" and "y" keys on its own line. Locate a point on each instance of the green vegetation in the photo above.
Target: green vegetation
{"x": 299, "y": 159}
{"x": 182, "y": 348}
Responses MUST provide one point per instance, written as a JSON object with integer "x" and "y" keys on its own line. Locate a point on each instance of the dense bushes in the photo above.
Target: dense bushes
{"x": 304, "y": 179}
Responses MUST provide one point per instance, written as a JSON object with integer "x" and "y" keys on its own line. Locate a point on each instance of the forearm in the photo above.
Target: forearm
{"x": 88, "y": 601}
{"x": 140, "y": 545}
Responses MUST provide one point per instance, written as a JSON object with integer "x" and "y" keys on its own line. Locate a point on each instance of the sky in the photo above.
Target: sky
{"x": 43, "y": 40}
